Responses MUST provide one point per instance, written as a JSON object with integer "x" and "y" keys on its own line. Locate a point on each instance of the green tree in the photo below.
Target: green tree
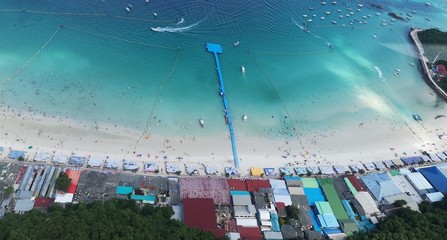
{"x": 400, "y": 203}
{"x": 63, "y": 182}
{"x": 292, "y": 211}
{"x": 8, "y": 191}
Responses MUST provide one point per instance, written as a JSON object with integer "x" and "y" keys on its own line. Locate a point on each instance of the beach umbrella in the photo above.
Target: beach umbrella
{"x": 29, "y": 147}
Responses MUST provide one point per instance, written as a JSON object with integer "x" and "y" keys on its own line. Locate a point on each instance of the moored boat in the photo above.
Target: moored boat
{"x": 201, "y": 122}
{"x": 243, "y": 69}
{"x": 244, "y": 118}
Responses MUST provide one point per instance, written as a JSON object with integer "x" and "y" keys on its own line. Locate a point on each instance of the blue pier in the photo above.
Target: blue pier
{"x": 216, "y": 49}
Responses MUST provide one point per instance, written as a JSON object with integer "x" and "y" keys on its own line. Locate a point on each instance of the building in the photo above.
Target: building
{"x": 366, "y": 203}
{"x": 435, "y": 177}
{"x": 204, "y": 187}
{"x": 380, "y": 185}
{"x": 441, "y": 70}
{"x": 434, "y": 197}
{"x": 200, "y": 213}
{"x": 419, "y": 183}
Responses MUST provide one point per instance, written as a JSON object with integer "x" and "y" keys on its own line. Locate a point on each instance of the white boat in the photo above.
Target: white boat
{"x": 147, "y": 1}
{"x": 309, "y": 20}
{"x": 323, "y": 3}
{"x": 155, "y": 14}
{"x": 311, "y": 8}
{"x": 243, "y": 69}
{"x": 201, "y": 122}
{"x": 374, "y": 36}
{"x": 359, "y": 5}
{"x": 128, "y": 9}
{"x": 244, "y": 118}
{"x": 397, "y": 69}
{"x": 130, "y": 5}
{"x": 334, "y": 22}
{"x": 327, "y": 13}
{"x": 322, "y": 18}
{"x": 334, "y": 2}
{"x": 235, "y": 44}
{"x": 427, "y": 3}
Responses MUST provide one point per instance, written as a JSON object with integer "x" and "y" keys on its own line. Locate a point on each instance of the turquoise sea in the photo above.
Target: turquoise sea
{"x": 108, "y": 65}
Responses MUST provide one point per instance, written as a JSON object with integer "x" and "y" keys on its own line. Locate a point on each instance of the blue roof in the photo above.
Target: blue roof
{"x": 328, "y": 231}
{"x": 287, "y": 178}
{"x": 348, "y": 209}
{"x": 314, "y": 195}
{"x": 124, "y": 190}
{"x": 15, "y": 154}
{"x": 275, "y": 223}
{"x": 236, "y": 192}
{"x": 411, "y": 160}
{"x": 380, "y": 185}
{"x": 143, "y": 197}
{"x": 314, "y": 220}
{"x": 435, "y": 177}
{"x": 328, "y": 221}
{"x": 213, "y": 47}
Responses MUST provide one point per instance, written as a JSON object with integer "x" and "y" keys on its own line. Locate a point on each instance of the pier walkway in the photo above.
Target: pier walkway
{"x": 216, "y": 49}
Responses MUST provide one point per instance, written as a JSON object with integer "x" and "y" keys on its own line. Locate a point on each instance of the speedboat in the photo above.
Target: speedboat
{"x": 427, "y": 3}
{"x": 128, "y": 9}
{"x": 417, "y": 117}
{"x": 244, "y": 118}
{"x": 334, "y": 22}
{"x": 323, "y": 3}
{"x": 235, "y": 44}
{"x": 147, "y": 1}
{"x": 311, "y": 8}
{"x": 130, "y": 5}
{"x": 155, "y": 14}
{"x": 243, "y": 69}
{"x": 327, "y": 13}
{"x": 201, "y": 122}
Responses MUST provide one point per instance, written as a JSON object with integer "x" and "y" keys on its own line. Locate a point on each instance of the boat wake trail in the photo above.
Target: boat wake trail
{"x": 304, "y": 28}
{"x": 176, "y": 29}
{"x": 182, "y": 20}
{"x": 378, "y": 71}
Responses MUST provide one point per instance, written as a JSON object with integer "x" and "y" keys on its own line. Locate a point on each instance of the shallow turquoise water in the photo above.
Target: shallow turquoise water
{"x": 108, "y": 66}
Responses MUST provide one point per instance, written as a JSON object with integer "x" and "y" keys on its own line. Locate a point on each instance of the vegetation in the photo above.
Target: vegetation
{"x": 292, "y": 212}
{"x": 430, "y": 223}
{"x": 63, "y": 182}
{"x": 400, "y": 203}
{"x": 115, "y": 219}
{"x": 8, "y": 191}
{"x": 21, "y": 158}
{"x": 433, "y": 36}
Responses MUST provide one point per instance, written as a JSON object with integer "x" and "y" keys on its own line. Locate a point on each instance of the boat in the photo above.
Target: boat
{"x": 155, "y": 14}
{"x": 243, "y": 69}
{"x": 235, "y": 44}
{"x": 374, "y": 36}
{"x": 201, "y": 122}
{"x": 417, "y": 117}
{"x": 334, "y": 22}
{"x": 323, "y": 3}
{"x": 130, "y": 5}
{"x": 396, "y": 74}
{"x": 147, "y": 1}
{"x": 128, "y": 9}
{"x": 397, "y": 69}
{"x": 327, "y": 13}
{"x": 359, "y": 5}
{"x": 427, "y": 4}
{"x": 311, "y": 8}
{"x": 244, "y": 118}
{"x": 411, "y": 64}
{"x": 322, "y": 18}
{"x": 334, "y": 2}
{"x": 305, "y": 16}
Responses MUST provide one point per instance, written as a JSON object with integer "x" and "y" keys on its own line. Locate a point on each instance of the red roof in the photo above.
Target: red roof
{"x": 22, "y": 172}
{"x": 255, "y": 185}
{"x": 356, "y": 183}
{"x": 203, "y": 187}
{"x": 74, "y": 175}
{"x": 281, "y": 207}
{"x": 237, "y": 184}
{"x": 200, "y": 213}
{"x": 230, "y": 225}
{"x": 43, "y": 202}
{"x": 441, "y": 69}
{"x": 250, "y": 233}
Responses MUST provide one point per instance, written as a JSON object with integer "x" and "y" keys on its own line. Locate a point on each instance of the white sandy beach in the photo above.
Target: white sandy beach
{"x": 376, "y": 139}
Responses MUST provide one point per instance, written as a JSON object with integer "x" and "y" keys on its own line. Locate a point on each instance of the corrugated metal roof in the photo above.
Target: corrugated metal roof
{"x": 241, "y": 200}
{"x": 324, "y": 208}
{"x": 200, "y": 213}
{"x": 252, "y": 233}
{"x": 332, "y": 197}
{"x": 254, "y": 185}
{"x": 276, "y": 183}
{"x": 296, "y": 191}
{"x": 247, "y": 222}
{"x": 150, "y": 198}
{"x": 435, "y": 197}
{"x": 237, "y": 184}
{"x": 380, "y": 185}
{"x": 24, "y": 205}
{"x": 203, "y": 187}
{"x": 275, "y": 222}
{"x": 272, "y": 235}
{"x": 232, "y": 193}
{"x": 313, "y": 195}
{"x": 367, "y": 202}
{"x": 310, "y": 183}
{"x": 356, "y": 183}
{"x": 328, "y": 221}
{"x": 419, "y": 181}
{"x": 435, "y": 177}
{"x": 124, "y": 190}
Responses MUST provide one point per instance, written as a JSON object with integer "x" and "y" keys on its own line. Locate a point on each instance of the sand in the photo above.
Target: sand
{"x": 375, "y": 140}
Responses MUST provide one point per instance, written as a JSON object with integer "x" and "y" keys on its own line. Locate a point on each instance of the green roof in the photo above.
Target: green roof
{"x": 124, "y": 190}
{"x": 310, "y": 183}
{"x": 327, "y": 185}
{"x": 350, "y": 186}
{"x": 324, "y": 208}
{"x": 395, "y": 172}
{"x": 150, "y": 198}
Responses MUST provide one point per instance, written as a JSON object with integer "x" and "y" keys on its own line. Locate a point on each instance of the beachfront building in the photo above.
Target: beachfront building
{"x": 42, "y": 156}
{"x": 77, "y": 161}
{"x": 111, "y": 164}
{"x": 67, "y": 197}
{"x": 435, "y": 177}
{"x": 403, "y": 184}
{"x": 280, "y": 193}
{"x": 203, "y": 187}
{"x": 380, "y": 185}
{"x": 418, "y": 181}
{"x": 94, "y": 162}
{"x": 200, "y": 213}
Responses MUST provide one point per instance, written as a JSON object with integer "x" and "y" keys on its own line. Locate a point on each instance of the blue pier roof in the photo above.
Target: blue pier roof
{"x": 213, "y": 47}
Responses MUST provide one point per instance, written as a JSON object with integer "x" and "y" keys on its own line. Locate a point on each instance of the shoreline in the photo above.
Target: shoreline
{"x": 427, "y": 76}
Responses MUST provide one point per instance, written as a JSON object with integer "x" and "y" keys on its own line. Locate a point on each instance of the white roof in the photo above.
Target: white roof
{"x": 233, "y": 235}
{"x": 419, "y": 181}
{"x": 150, "y": 167}
{"x": 327, "y": 170}
{"x": 172, "y": 168}
{"x": 211, "y": 170}
{"x": 276, "y": 183}
{"x": 402, "y": 196}
{"x": 379, "y": 165}
{"x": 244, "y": 210}
{"x": 94, "y": 161}
{"x": 435, "y": 197}
{"x": 435, "y": 158}
{"x": 340, "y": 168}
{"x": 402, "y": 183}
{"x": 441, "y": 155}
{"x": 397, "y": 162}
{"x": 313, "y": 170}
{"x": 241, "y": 200}
{"x": 296, "y": 191}
{"x": 264, "y": 214}
{"x": 247, "y": 222}
{"x": 178, "y": 213}
{"x": 59, "y": 158}
{"x": 129, "y": 165}
{"x": 273, "y": 235}
{"x": 369, "y": 166}
{"x": 282, "y": 198}
{"x": 111, "y": 163}
{"x": 64, "y": 198}
{"x": 367, "y": 202}
{"x": 42, "y": 156}
{"x": 425, "y": 158}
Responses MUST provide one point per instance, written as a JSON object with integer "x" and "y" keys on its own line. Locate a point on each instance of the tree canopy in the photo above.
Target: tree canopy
{"x": 63, "y": 182}
{"x": 433, "y": 36}
{"x": 115, "y": 219}
{"x": 430, "y": 223}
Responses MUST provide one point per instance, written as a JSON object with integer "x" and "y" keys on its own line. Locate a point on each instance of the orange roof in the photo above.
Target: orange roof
{"x": 74, "y": 175}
